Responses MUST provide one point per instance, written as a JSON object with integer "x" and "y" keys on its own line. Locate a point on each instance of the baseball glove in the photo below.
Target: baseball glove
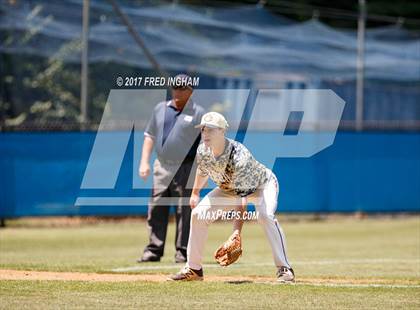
{"x": 230, "y": 251}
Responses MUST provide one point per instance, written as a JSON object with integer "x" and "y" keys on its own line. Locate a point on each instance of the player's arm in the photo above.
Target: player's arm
{"x": 144, "y": 168}
{"x": 238, "y": 222}
{"x": 199, "y": 182}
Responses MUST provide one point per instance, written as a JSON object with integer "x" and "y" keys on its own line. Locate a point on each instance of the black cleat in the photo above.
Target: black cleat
{"x": 180, "y": 259}
{"x": 187, "y": 274}
{"x": 148, "y": 257}
{"x": 285, "y": 275}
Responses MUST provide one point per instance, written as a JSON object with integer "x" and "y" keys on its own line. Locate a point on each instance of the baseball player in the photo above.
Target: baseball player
{"x": 238, "y": 177}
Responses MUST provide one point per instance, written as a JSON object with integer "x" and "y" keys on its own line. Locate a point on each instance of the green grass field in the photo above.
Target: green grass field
{"x": 339, "y": 263}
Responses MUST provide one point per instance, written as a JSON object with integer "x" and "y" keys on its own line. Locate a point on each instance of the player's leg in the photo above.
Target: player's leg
{"x": 201, "y": 217}
{"x": 266, "y": 205}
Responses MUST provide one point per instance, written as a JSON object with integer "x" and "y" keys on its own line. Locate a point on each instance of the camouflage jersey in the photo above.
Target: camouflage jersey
{"x": 235, "y": 171}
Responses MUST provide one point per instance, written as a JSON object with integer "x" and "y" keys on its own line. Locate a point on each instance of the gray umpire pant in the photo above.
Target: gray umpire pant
{"x": 170, "y": 187}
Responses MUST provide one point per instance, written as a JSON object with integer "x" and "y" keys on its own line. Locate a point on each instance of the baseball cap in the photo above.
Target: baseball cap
{"x": 213, "y": 120}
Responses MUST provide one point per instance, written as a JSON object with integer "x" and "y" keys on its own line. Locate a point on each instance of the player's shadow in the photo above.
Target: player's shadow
{"x": 239, "y": 282}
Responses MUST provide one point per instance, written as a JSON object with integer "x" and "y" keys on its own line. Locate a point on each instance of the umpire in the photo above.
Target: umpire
{"x": 171, "y": 132}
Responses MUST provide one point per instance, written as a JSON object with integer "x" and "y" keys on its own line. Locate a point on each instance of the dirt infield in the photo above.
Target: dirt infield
{"x": 7, "y": 274}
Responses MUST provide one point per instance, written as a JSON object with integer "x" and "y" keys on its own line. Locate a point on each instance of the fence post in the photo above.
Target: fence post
{"x": 361, "y": 25}
{"x": 84, "y": 72}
